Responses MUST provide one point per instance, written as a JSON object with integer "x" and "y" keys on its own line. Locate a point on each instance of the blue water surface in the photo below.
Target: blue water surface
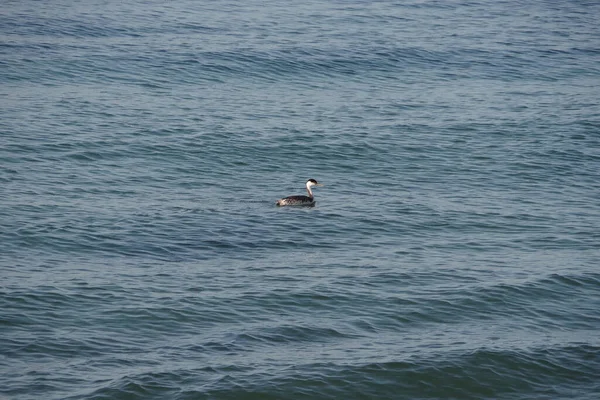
{"x": 452, "y": 253}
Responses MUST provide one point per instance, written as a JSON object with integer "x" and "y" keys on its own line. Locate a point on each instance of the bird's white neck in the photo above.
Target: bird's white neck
{"x": 310, "y": 194}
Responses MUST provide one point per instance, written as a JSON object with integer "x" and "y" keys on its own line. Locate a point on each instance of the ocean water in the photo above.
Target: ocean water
{"x": 453, "y": 253}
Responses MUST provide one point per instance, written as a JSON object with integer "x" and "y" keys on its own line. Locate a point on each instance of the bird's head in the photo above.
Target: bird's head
{"x": 312, "y": 182}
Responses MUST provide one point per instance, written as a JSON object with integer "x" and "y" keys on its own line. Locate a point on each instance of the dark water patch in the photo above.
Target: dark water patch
{"x": 287, "y": 334}
{"x": 482, "y": 373}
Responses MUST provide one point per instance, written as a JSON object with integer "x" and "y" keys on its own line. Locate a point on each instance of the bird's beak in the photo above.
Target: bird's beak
{"x": 319, "y": 184}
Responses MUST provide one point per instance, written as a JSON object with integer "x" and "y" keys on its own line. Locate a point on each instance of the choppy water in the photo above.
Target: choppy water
{"x": 453, "y": 252}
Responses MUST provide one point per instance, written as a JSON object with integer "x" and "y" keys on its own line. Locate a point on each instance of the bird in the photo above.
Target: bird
{"x": 300, "y": 200}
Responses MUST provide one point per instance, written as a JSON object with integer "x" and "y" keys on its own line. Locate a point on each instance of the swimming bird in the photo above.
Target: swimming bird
{"x": 300, "y": 200}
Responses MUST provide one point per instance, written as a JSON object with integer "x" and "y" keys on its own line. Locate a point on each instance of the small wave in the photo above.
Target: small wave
{"x": 543, "y": 373}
